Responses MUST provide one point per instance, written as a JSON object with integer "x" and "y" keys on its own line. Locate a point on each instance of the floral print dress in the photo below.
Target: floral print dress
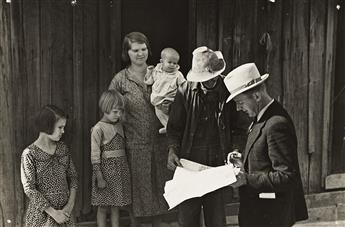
{"x": 147, "y": 149}
{"x": 47, "y": 180}
{"x": 108, "y": 156}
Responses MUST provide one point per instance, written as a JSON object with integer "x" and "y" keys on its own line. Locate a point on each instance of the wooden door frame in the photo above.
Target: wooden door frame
{"x": 191, "y": 25}
{"x": 331, "y": 34}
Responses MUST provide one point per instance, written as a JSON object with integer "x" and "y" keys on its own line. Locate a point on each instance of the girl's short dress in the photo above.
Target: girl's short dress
{"x": 108, "y": 155}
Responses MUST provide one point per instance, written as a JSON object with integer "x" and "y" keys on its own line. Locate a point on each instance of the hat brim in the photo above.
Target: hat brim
{"x": 263, "y": 78}
{"x": 204, "y": 76}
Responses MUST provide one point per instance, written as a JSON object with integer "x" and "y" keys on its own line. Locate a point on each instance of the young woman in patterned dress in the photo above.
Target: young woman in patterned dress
{"x": 48, "y": 175}
{"x": 111, "y": 185}
{"x": 146, "y": 148}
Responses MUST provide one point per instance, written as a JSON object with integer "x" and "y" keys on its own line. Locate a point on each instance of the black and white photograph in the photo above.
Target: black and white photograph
{"x": 172, "y": 113}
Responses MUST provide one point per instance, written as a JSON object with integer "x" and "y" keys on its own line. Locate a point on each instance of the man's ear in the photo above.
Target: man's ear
{"x": 161, "y": 60}
{"x": 257, "y": 96}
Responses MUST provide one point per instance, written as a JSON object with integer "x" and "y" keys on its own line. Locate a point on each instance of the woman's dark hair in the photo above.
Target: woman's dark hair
{"x": 133, "y": 37}
{"x": 47, "y": 117}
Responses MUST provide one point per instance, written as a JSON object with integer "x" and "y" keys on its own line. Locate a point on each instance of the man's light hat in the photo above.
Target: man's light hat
{"x": 206, "y": 64}
{"x": 242, "y": 79}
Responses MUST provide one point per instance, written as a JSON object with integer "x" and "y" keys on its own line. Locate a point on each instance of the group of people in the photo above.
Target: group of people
{"x": 153, "y": 117}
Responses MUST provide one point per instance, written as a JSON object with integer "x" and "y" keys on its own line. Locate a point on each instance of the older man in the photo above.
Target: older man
{"x": 270, "y": 185}
{"x": 198, "y": 130}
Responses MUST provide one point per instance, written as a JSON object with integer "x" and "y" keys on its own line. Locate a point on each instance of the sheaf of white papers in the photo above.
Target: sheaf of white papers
{"x": 195, "y": 180}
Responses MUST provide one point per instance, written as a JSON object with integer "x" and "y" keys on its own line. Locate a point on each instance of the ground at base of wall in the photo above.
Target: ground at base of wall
{"x": 322, "y": 224}
{"x": 325, "y": 209}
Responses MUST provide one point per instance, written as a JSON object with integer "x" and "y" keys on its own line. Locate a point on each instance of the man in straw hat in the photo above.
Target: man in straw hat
{"x": 198, "y": 130}
{"x": 270, "y": 185}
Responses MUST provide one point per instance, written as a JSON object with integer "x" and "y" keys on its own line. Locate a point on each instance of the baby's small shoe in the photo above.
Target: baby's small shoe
{"x": 162, "y": 131}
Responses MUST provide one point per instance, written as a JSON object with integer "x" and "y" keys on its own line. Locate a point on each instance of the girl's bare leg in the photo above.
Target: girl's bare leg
{"x": 115, "y": 217}
{"x": 102, "y": 216}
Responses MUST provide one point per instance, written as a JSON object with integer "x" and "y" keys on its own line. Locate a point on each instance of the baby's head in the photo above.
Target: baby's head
{"x": 169, "y": 59}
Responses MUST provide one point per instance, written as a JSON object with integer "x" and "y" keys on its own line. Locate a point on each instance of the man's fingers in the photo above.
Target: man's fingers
{"x": 171, "y": 167}
{"x": 177, "y": 161}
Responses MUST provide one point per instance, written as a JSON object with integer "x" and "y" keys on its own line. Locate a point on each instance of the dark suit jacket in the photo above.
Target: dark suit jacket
{"x": 271, "y": 161}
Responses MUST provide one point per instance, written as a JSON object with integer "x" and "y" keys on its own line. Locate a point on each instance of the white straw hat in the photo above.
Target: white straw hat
{"x": 206, "y": 64}
{"x": 242, "y": 79}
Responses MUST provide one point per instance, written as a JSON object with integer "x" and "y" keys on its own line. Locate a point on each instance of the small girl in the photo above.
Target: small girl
{"x": 48, "y": 174}
{"x": 111, "y": 177}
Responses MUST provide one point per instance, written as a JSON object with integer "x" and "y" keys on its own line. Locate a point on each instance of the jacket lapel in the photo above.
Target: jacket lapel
{"x": 257, "y": 130}
{"x": 252, "y": 137}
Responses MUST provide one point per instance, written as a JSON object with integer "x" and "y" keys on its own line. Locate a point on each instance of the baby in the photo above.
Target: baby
{"x": 165, "y": 79}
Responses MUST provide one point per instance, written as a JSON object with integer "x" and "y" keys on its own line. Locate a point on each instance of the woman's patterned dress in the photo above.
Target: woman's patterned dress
{"x": 108, "y": 155}
{"x": 147, "y": 150}
{"x": 47, "y": 180}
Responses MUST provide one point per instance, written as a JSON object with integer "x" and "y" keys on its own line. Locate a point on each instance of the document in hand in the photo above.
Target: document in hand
{"x": 195, "y": 180}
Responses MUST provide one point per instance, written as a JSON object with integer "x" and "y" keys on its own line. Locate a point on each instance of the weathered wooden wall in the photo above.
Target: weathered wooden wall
{"x": 302, "y": 34}
{"x": 60, "y": 54}
{"x": 11, "y": 196}
{"x": 54, "y": 52}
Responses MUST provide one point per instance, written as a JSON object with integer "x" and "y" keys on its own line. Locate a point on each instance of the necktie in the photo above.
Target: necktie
{"x": 250, "y": 129}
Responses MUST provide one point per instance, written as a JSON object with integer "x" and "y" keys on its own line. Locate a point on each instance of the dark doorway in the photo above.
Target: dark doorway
{"x": 338, "y": 148}
{"x": 164, "y": 22}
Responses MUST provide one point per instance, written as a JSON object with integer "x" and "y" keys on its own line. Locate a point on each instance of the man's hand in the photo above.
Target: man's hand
{"x": 235, "y": 157}
{"x": 173, "y": 160}
{"x": 241, "y": 180}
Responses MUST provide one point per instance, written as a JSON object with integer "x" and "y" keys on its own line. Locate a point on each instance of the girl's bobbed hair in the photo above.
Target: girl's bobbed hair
{"x": 46, "y": 118}
{"x": 111, "y": 99}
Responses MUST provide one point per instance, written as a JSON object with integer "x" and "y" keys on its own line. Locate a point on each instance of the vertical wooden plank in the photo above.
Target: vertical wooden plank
{"x": 244, "y": 32}
{"x": 226, "y": 30}
{"x": 46, "y": 52}
{"x": 295, "y": 75}
{"x": 328, "y": 86}
{"x": 270, "y": 21}
{"x": 244, "y": 43}
{"x": 338, "y": 102}
{"x": 90, "y": 92}
{"x": 115, "y": 36}
{"x": 7, "y": 153}
{"x": 315, "y": 91}
{"x": 191, "y": 27}
{"x": 77, "y": 122}
{"x": 104, "y": 45}
{"x": 61, "y": 64}
{"x": 207, "y": 23}
{"x": 31, "y": 25}
{"x": 18, "y": 72}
